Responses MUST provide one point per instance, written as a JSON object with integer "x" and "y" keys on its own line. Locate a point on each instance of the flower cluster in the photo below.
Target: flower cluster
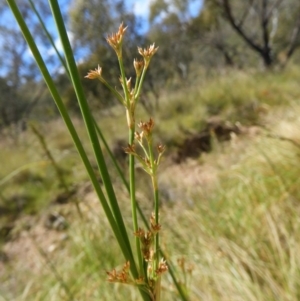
{"x": 122, "y": 276}
{"x": 146, "y": 238}
{"x": 115, "y": 40}
{"x": 150, "y": 266}
{"x": 147, "y": 161}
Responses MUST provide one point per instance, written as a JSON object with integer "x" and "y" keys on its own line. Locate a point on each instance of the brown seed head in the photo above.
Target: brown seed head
{"x": 94, "y": 74}
{"x": 122, "y": 276}
{"x": 161, "y": 148}
{"x": 115, "y": 39}
{"x": 162, "y": 267}
{"x": 112, "y": 276}
{"x": 126, "y": 266}
{"x": 147, "y": 126}
{"x": 147, "y": 53}
{"x": 146, "y": 254}
{"x": 139, "y": 233}
{"x": 146, "y": 240}
{"x": 130, "y": 149}
{"x": 154, "y": 226}
{"x": 138, "y": 66}
{"x": 128, "y": 83}
{"x": 138, "y": 136}
{"x": 147, "y": 163}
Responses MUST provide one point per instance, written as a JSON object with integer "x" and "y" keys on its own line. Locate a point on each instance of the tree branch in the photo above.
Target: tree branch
{"x": 264, "y": 26}
{"x": 275, "y": 5}
{"x": 245, "y": 14}
{"x": 293, "y": 41}
{"x": 228, "y": 14}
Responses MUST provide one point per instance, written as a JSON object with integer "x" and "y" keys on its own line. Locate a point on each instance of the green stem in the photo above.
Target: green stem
{"x": 64, "y": 113}
{"x": 126, "y": 92}
{"x": 113, "y": 91}
{"x": 134, "y": 203}
{"x": 48, "y": 35}
{"x": 136, "y": 85}
{"x": 140, "y": 84}
{"x": 77, "y": 142}
{"x": 88, "y": 120}
{"x": 156, "y": 199}
{"x": 92, "y": 133}
{"x": 179, "y": 288}
{"x": 120, "y": 172}
{"x": 156, "y": 212}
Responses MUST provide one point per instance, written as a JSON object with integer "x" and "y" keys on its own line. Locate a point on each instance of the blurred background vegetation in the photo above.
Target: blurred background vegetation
{"x": 226, "y": 71}
{"x": 247, "y": 35}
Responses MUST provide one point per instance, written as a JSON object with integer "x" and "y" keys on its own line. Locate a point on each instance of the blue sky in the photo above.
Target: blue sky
{"x": 141, "y": 8}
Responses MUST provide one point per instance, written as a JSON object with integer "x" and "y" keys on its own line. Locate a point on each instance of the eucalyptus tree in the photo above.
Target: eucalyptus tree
{"x": 269, "y": 28}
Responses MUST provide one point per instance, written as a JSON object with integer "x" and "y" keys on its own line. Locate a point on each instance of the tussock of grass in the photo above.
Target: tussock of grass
{"x": 242, "y": 239}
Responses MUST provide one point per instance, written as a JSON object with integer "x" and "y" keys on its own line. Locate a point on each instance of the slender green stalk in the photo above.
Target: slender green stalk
{"x": 131, "y": 125}
{"x": 156, "y": 199}
{"x": 113, "y": 91}
{"x": 48, "y": 34}
{"x": 140, "y": 83}
{"x": 119, "y": 97}
{"x": 134, "y": 203}
{"x": 70, "y": 126}
{"x": 156, "y": 213}
{"x": 112, "y": 211}
{"x": 171, "y": 270}
{"x": 125, "y": 88}
{"x": 87, "y": 117}
{"x": 179, "y": 288}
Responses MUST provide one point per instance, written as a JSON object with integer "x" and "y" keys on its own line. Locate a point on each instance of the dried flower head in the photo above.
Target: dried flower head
{"x": 162, "y": 267}
{"x": 138, "y": 66}
{"x": 130, "y": 149}
{"x": 147, "y": 53}
{"x": 112, "y": 276}
{"x": 139, "y": 233}
{"x": 139, "y": 136}
{"x": 95, "y": 74}
{"x": 155, "y": 227}
{"x": 147, "y": 127}
{"x": 160, "y": 148}
{"x": 115, "y": 40}
{"x": 128, "y": 83}
{"x": 122, "y": 276}
{"x": 146, "y": 238}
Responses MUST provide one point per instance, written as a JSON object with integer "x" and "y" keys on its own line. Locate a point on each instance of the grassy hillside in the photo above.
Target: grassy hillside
{"x": 230, "y": 217}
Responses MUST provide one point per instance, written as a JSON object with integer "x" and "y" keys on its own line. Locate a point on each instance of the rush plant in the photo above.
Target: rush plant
{"x": 150, "y": 266}
{"x": 144, "y": 263}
